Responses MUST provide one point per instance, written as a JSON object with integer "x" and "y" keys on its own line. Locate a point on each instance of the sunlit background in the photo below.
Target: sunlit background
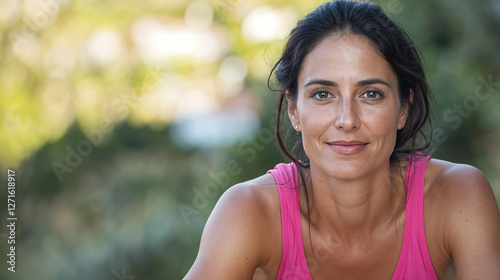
{"x": 126, "y": 120}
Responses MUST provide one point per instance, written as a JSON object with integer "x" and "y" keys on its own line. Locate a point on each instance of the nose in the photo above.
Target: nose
{"x": 347, "y": 118}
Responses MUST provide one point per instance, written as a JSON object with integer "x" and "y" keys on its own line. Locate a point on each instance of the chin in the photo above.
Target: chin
{"x": 345, "y": 170}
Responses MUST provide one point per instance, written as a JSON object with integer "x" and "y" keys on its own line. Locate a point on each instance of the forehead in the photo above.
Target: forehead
{"x": 345, "y": 57}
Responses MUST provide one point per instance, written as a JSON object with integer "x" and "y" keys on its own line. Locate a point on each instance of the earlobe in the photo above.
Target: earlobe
{"x": 405, "y": 111}
{"x": 292, "y": 112}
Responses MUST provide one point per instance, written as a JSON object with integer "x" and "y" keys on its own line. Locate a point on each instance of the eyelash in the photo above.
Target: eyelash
{"x": 318, "y": 91}
{"x": 380, "y": 95}
{"x": 322, "y": 90}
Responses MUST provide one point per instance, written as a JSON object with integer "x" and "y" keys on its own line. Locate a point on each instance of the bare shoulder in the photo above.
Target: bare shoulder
{"x": 462, "y": 218}
{"x": 456, "y": 182}
{"x": 257, "y": 196}
{"x": 237, "y": 238}
{"x": 251, "y": 203}
{"x": 260, "y": 188}
{"x": 251, "y": 206}
{"x": 452, "y": 188}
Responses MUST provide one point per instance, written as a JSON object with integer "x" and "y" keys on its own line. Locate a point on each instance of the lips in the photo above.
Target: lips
{"x": 347, "y": 147}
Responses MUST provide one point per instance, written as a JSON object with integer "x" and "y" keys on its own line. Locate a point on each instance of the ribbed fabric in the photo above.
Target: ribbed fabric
{"x": 414, "y": 261}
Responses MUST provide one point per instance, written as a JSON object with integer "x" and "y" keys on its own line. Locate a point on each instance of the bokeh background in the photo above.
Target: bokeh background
{"x": 126, "y": 120}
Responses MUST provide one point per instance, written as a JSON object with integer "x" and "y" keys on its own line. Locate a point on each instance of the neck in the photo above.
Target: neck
{"x": 358, "y": 207}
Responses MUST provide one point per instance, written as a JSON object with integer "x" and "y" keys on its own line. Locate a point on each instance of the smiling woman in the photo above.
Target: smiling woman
{"x": 355, "y": 91}
{"x": 360, "y": 198}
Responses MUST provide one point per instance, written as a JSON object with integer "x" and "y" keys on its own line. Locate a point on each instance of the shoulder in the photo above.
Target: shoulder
{"x": 256, "y": 196}
{"x": 240, "y": 234}
{"x": 457, "y": 182}
{"x": 462, "y": 214}
{"x": 252, "y": 205}
{"x": 252, "y": 202}
{"x": 450, "y": 187}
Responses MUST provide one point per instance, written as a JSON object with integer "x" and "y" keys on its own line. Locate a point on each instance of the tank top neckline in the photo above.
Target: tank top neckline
{"x": 414, "y": 260}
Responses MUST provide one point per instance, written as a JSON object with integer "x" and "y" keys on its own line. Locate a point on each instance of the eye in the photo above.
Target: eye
{"x": 372, "y": 94}
{"x": 321, "y": 94}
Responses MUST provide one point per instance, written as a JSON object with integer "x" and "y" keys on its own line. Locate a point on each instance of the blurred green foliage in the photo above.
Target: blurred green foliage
{"x": 99, "y": 101}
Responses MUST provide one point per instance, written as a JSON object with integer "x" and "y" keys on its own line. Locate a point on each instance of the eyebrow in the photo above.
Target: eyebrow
{"x": 329, "y": 83}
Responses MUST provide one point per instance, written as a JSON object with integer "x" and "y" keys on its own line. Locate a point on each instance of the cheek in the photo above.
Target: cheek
{"x": 383, "y": 124}
{"x": 315, "y": 119}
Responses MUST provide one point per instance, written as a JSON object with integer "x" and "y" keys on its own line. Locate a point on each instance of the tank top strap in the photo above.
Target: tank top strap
{"x": 414, "y": 261}
{"x": 293, "y": 262}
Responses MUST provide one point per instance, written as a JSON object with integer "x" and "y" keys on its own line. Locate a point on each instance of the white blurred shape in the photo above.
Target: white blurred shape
{"x": 233, "y": 70}
{"x": 56, "y": 104}
{"x": 158, "y": 42}
{"x": 265, "y": 24}
{"x": 220, "y": 129}
{"x": 10, "y": 11}
{"x": 175, "y": 96}
{"x": 194, "y": 101}
{"x": 26, "y": 48}
{"x": 41, "y": 14}
{"x": 60, "y": 59}
{"x": 199, "y": 14}
{"x": 232, "y": 73}
{"x": 105, "y": 46}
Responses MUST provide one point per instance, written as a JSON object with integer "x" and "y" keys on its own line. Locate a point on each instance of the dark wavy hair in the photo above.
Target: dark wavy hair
{"x": 368, "y": 20}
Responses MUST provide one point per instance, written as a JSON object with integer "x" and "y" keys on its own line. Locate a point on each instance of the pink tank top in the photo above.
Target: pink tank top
{"x": 414, "y": 261}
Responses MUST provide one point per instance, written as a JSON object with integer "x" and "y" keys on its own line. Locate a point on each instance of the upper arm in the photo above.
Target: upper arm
{"x": 231, "y": 245}
{"x": 474, "y": 224}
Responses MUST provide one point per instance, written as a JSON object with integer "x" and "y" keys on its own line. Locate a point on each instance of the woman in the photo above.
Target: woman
{"x": 362, "y": 201}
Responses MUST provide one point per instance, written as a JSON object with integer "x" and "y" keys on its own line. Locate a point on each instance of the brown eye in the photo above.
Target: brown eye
{"x": 372, "y": 94}
{"x": 321, "y": 94}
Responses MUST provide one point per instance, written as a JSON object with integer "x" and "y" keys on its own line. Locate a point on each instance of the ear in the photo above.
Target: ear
{"x": 292, "y": 112}
{"x": 405, "y": 108}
